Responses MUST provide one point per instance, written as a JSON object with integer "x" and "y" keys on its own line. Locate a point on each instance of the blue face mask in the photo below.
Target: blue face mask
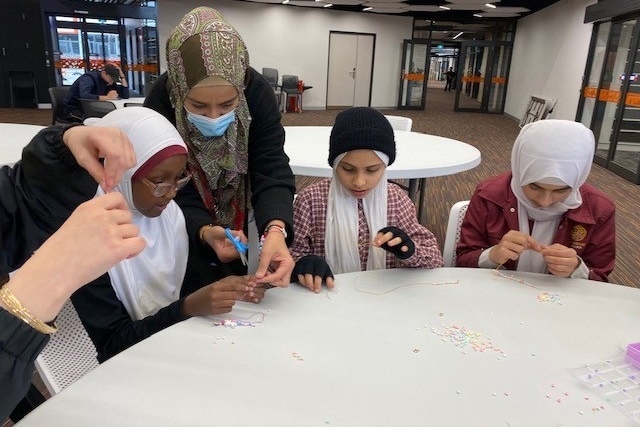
{"x": 212, "y": 127}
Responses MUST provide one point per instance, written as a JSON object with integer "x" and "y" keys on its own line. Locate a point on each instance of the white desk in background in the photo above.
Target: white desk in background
{"x": 383, "y": 358}
{"x": 119, "y": 103}
{"x": 13, "y": 138}
{"x": 418, "y": 156}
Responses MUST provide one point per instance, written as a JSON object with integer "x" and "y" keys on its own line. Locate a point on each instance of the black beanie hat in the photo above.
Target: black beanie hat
{"x": 361, "y": 128}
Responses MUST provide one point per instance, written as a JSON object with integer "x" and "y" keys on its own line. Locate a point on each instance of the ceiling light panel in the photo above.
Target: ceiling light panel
{"x": 421, "y": 8}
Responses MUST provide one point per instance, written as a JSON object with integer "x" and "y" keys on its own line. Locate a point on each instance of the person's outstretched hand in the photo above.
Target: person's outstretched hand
{"x": 96, "y": 236}
{"x": 511, "y": 246}
{"x": 89, "y": 144}
{"x": 311, "y": 271}
{"x": 275, "y": 264}
{"x": 395, "y": 241}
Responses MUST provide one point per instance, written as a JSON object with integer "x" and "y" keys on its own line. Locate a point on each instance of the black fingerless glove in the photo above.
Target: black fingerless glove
{"x": 314, "y": 265}
{"x": 397, "y": 249}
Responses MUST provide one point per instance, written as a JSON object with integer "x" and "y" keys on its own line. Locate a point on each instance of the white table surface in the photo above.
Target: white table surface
{"x": 13, "y": 138}
{"x": 418, "y": 155}
{"x": 119, "y": 103}
{"x": 372, "y": 360}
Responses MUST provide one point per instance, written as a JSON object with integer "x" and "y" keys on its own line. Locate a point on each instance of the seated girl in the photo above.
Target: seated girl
{"x": 357, "y": 220}
{"x": 542, "y": 217}
{"x": 147, "y": 293}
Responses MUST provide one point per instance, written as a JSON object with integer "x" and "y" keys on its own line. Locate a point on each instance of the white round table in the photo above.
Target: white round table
{"x": 13, "y": 138}
{"x": 418, "y": 156}
{"x": 386, "y": 348}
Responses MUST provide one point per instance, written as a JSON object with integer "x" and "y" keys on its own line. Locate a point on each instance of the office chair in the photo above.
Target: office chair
{"x": 57, "y": 94}
{"x": 23, "y": 92}
{"x": 96, "y": 108}
{"x": 290, "y": 88}
{"x": 271, "y": 75}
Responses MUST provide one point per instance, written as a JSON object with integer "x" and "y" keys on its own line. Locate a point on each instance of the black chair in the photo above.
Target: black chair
{"x": 58, "y": 116}
{"x": 96, "y": 108}
{"x": 23, "y": 92}
{"x": 290, "y": 88}
{"x": 271, "y": 75}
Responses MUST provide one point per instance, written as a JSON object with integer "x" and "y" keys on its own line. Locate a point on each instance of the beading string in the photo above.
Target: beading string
{"x": 511, "y": 277}
{"x": 545, "y": 296}
{"x": 447, "y": 282}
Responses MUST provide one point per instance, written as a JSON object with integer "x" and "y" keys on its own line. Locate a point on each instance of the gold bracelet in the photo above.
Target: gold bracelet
{"x": 202, "y": 230}
{"x": 15, "y": 307}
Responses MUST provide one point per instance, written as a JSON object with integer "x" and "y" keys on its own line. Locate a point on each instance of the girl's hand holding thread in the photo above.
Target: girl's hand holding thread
{"x": 219, "y": 297}
{"x": 511, "y": 246}
{"x": 396, "y": 241}
{"x": 561, "y": 260}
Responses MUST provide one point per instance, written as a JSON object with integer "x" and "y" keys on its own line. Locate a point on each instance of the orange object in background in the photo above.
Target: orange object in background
{"x": 300, "y": 85}
{"x": 293, "y": 105}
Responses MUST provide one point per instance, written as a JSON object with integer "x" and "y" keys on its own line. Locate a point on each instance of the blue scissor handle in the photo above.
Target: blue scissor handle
{"x": 242, "y": 248}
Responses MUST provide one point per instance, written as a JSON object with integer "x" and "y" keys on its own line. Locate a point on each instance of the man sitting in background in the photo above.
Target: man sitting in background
{"x": 104, "y": 85}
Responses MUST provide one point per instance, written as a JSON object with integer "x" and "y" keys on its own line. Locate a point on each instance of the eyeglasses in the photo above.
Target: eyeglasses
{"x": 163, "y": 188}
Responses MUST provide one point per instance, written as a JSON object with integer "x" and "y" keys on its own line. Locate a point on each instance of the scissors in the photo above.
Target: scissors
{"x": 242, "y": 248}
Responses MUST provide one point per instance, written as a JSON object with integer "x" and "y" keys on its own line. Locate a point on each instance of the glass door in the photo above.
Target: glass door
{"x": 612, "y": 109}
{"x": 84, "y": 44}
{"x": 482, "y": 79}
{"x": 413, "y": 81}
{"x": 103, "y": 47}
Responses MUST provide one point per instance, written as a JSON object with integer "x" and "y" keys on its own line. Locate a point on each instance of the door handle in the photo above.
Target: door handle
{"x": 353, "y": 73}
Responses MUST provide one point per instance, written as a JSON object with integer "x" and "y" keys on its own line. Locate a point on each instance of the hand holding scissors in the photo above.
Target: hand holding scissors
{"x": 241, "y": 247}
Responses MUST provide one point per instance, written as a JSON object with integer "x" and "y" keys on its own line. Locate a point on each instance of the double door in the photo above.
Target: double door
{"x": 610, "y": 102}
{"x": 482, "y": 76}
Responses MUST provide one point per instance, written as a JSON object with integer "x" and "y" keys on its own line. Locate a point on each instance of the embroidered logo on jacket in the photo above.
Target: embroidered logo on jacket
{"x": 578, "y": 233}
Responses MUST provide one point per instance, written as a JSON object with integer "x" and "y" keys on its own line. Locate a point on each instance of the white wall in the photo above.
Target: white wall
{"x": 549, "y": 55}
{"x": 295, "y": 40}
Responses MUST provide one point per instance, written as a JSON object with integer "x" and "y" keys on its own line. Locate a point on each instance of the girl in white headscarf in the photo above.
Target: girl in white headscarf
{"x": 142, "y": 295}
{"x": 543, "y": 217}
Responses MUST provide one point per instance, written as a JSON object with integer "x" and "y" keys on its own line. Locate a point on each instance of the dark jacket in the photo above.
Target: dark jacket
{"x": 271, "y": 180}
{"x": 20, "y": 344}
{"x": 493, "y": 211}
{"x": 29, "y": 213}
{"x": 27, "y": 218}
{"x": 90, "y": 86}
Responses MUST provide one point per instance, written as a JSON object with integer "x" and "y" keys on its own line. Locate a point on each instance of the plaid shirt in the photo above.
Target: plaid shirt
{"x": 310, "y": 217}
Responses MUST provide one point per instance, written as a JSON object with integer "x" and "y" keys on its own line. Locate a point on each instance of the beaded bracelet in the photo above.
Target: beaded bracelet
{"x": 266, "y": 231}
{"x": 15, "y": 307}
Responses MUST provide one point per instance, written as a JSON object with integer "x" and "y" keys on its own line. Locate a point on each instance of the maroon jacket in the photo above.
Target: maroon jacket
{"x": 493, "y": 211}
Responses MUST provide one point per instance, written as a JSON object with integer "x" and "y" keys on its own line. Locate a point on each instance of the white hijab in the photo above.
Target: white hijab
{"x": 153, "y": 279}
{"x": 553, "y": 152}
{"x": 341, "y": 234}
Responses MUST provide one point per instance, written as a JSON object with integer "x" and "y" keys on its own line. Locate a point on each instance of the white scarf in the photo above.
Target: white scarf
{"x": 341, "y": 234}
{"x": 153, "y": 279}
{"x": 553, "y": 152}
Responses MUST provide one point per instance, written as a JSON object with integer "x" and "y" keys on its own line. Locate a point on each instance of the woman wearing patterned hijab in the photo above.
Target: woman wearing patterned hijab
{"x": 542, "y": 217}
{"x": 228, "y": 116}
